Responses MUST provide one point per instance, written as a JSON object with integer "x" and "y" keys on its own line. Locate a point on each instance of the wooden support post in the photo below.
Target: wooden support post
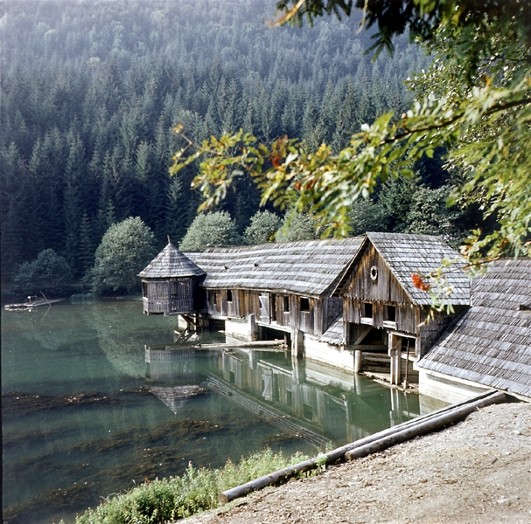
{"x": 358, "y": 361}
{"x": 253, "y": 360}
{"x": 297, "y": 343}
{"x": 298, "y": 372}
{"x": 394, "y": 354}
{"x": 251, "y": 319}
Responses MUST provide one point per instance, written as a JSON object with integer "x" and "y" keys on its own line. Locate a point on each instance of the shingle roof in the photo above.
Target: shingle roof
{"x": 406, "y": 254}
{"x": 306, "y": 267}
{"x": 491, "y": 343}
{"x": 171, "y": 263}
{"x": 334, "y": 334}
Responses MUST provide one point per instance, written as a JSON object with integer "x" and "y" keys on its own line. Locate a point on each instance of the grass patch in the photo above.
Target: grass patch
{"x": 172, "y": 498}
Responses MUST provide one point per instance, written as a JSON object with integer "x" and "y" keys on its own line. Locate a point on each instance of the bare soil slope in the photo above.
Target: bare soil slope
{"x": 478, "y": 471}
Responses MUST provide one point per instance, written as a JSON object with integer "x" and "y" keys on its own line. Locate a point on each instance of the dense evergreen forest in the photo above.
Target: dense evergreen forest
{"x": 90, "y": 90}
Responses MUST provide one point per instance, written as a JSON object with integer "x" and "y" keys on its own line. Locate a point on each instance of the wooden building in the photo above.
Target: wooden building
{"x": 361, "y": 304}
{"x": 489, "y": 346}
{"x": 280, "y": 289}
{"x": 384, "y": 312}
{"x": 171, "y": 284}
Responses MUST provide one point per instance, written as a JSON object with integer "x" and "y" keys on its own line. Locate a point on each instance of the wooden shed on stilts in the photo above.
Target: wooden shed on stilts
{"x": 171, "y": 285}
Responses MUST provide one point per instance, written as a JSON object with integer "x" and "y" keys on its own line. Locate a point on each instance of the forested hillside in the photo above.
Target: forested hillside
{"x": 90, "y": 90}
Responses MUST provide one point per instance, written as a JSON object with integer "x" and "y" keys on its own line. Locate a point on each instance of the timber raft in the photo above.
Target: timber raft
{"x": 31, "y": 304}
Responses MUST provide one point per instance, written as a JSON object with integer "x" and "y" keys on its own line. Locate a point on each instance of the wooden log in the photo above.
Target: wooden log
{"x": 265, "y": 345}
{"x": 271, "y": 479}
{"x": 423, "y": 427}
{"x": 412, "y": 428}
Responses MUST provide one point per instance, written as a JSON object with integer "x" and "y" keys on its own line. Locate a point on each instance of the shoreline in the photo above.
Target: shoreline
{"x": 476, "y": 471}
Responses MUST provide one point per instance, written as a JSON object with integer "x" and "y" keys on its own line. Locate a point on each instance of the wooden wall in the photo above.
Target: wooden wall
{"x": 180, "y": 295}
{"x": 308, "y": 314}
{"x": 390, "y": 307}
{"x": 385, "y": 288}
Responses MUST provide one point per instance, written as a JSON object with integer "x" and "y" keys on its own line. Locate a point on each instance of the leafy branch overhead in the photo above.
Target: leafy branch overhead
{"x": 474, "y": 101}
{"x": 327, "y": 184}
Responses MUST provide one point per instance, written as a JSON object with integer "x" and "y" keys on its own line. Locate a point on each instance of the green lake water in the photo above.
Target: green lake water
{"x": 87, "y": 411}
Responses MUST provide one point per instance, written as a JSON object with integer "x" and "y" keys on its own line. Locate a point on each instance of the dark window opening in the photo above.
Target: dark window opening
{"x": 305, "y": 304}
{"x": 366, "y": 310}
{"x": 308, "y": 412}
{"x": 390, "y": 313}
{"x": 229, "y": 295}
{"x": 232, "y": 377}
{"x": 286, "y": 304}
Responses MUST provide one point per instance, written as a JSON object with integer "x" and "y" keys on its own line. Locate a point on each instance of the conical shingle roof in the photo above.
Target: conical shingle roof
{"x": 171, "y": 263}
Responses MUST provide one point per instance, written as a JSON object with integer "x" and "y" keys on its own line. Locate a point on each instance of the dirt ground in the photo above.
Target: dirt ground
{"x": 478, "y": 471}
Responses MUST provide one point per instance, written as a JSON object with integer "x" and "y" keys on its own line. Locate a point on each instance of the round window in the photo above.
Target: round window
{"x": 374, "y": 273}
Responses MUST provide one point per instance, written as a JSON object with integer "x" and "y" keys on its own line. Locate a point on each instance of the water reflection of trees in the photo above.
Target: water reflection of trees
{"x": 53, "y": 328}
{"x": 122, "y": 331}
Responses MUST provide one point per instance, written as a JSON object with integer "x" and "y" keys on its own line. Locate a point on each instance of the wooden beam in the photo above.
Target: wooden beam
{"x": 364, "y": 332}
{"x": 262, "y": 345}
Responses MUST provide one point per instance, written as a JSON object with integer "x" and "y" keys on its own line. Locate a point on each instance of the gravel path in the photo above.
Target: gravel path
{"x": 478, "y": 471}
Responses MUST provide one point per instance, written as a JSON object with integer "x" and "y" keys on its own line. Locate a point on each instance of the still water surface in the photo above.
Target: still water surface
{"x": 87, "y": 411}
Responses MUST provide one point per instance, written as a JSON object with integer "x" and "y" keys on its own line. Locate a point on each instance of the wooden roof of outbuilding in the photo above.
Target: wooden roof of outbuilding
{"x": 491, "y": 343}
{"x": 407, "y": 254}
{"x": 335, "y": 334}
{"x": 306, "y": 267}
{"x": 171, "y": 263}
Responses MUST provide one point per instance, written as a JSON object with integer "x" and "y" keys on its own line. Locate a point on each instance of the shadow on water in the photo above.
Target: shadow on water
{"x": 96, "y": 399}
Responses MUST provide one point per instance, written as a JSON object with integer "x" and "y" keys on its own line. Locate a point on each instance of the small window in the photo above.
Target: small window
{"x": 305, "y": 304}
{"x": 229, "y": 295}
{"x": 390, "y": 313}
{"x": 286, "y": 304}
{"x": 366, "y": 310}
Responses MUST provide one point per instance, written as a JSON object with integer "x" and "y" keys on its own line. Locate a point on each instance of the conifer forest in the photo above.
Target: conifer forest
{"x": 90, "y": 92}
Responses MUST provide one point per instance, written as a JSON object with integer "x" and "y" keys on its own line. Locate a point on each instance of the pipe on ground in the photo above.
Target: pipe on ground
{"x": 371, "y": 444}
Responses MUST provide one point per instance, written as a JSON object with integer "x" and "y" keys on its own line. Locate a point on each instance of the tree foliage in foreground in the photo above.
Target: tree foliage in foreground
{"x": 474, "y": 101}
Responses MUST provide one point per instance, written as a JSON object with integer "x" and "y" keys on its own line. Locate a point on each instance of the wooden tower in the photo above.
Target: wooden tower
{"x": 171, "y": 284}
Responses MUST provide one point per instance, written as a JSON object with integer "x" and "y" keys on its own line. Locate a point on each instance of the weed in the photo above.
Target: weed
{"x": 172, "y": 498}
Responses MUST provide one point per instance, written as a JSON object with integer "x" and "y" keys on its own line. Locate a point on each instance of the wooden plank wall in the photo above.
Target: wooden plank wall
{"x": 380, "y": 292}
{"x": 384, "y": 289}
{"x": 245, "y": 302}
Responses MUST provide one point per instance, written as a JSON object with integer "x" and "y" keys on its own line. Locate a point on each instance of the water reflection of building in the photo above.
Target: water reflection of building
{"x": 303, "y": 399}
{"x": 174, "y": 376}
{"x": 179, "y": 367}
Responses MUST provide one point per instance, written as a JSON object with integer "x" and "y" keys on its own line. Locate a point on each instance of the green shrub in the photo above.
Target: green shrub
{"x": 49, "y": 273}
{"x": 172, "y": 498}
